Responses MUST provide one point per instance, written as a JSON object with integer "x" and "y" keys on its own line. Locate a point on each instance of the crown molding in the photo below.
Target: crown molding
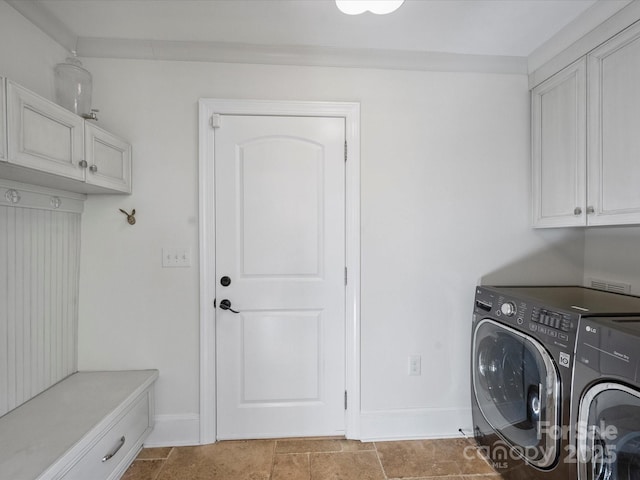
{"x": 568, "y": 43}
{"x": 297, "y": 55}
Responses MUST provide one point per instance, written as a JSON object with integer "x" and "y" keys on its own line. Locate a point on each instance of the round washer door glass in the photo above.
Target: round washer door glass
{"x": 517, "y": 389}
{"x": 609, "y": 433}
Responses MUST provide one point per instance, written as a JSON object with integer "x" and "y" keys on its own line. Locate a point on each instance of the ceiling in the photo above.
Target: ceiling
{"x": 504, "y": 28}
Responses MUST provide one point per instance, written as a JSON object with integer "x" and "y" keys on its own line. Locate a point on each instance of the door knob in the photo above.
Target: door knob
{"x": 226, "y": 305}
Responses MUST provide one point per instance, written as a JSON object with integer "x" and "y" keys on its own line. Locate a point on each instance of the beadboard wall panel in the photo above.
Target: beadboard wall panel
{"x": 39, "y": 268}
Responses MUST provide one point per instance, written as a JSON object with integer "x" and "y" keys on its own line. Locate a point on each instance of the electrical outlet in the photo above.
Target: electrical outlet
{"x": 415, "y": 367}
{"x": 176, "y": 257}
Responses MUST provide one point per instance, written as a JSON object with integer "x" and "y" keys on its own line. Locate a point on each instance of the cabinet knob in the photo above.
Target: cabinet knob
{"x": 83, "y": 164}
{"x": 93, "y": 168}
{"x": 577, "y": 211}
{"x": 12, "y": 196}
{"x": 590, "y": 210}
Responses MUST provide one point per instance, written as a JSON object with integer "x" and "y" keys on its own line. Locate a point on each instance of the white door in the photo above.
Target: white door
{"x": 280, "y": 240}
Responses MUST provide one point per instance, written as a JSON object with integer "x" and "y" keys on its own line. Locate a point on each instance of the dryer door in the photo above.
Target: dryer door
{"x": 517, "y": 389}
{"x": 609, "y": 433}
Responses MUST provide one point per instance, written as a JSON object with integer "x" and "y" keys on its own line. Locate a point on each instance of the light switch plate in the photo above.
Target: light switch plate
{"x": 415, "y": 365}
{"x": 176, "y": 257}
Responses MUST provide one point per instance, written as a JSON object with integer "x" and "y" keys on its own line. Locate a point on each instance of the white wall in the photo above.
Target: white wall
{"x": 27, "y": 55}
{"x": 613, "y": 254}
{"x": 445, "y": 186}
{"x": 444, "y": 205}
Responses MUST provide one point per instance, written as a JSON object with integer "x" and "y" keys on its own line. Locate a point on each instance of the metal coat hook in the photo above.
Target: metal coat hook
{"x": 130, "y": 216}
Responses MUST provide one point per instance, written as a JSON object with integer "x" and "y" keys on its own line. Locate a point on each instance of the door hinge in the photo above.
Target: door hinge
{"x": 345, "y": 399}
{"x": 346, "y": 278}
{"x": 345, "y": 150}
{"x": 214, "y": 121}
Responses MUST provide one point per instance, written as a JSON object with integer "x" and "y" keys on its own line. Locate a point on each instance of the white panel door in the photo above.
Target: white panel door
{"x": 280, "y": 239}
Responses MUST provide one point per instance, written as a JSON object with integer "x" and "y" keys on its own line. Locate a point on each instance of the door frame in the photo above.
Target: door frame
{"x": 350, "y": 111}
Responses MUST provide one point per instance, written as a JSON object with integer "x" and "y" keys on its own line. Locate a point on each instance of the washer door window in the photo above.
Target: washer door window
{"x": 609, "y": 433}
{"x": 517, "y": 389}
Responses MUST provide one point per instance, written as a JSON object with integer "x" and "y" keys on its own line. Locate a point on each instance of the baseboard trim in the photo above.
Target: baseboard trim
{"x": 409, "y": 424}
{"x": 175, "y": 431}
{"x": 379, "y": 425}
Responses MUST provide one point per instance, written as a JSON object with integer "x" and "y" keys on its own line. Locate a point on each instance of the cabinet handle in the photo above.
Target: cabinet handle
{"x": 590, "y": 210}
{"x": 93, "y": 168}
{"x": 83, "y": 164}
{"x": 109, "y": 455}
{"x": 577, "y": 211}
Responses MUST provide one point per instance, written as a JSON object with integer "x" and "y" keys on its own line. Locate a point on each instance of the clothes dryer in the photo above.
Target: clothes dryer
{"x": 523, "y": 342}
{"x": 606, "y": 399}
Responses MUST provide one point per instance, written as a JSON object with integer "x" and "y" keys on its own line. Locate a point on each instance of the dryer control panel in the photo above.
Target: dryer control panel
{"x": 610, "y": 346}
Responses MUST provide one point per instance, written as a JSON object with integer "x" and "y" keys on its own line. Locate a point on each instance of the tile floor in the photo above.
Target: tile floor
{"x": 314, "y": 459}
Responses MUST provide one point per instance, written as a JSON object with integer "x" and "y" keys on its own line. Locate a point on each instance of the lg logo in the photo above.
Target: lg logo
{"x": 591, "y": 329}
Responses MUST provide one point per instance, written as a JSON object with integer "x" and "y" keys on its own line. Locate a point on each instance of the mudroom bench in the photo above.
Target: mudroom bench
{"x": 89, "y": 426}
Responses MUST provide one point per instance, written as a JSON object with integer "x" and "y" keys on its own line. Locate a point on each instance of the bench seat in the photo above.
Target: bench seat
{"x": 89, "y": 426}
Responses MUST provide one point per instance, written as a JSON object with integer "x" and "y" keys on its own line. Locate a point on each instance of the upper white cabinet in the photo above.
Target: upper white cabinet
{"x": 559, "y": 132}
{"x": 42, "y": 135}
{"x": 48, "y": 145}
{"x": 3, "y": 121}
{"x": 585, "y": 141}
{"x": 614, "y": 130}
{"x": 108, "y": 159}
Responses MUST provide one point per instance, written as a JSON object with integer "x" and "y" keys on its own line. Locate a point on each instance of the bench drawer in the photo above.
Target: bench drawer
{"x": 116, "y": 445}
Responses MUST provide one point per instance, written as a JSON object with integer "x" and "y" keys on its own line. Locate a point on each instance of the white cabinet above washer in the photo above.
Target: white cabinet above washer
{"x": 585, "y": 142}
{"x": 50, "y": 146}
{"x": 559, "y": 135}
{"x": 613, "y": 139}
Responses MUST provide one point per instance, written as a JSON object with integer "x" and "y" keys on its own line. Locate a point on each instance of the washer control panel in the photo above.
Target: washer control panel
{"x": 551, "y": 326}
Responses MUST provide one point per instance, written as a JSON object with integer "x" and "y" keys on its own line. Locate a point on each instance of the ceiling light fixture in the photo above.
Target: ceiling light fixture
{"x": 379, "y": 7}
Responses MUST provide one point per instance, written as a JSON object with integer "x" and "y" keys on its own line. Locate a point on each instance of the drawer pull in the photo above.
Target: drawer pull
{"x": 115, "y": 450}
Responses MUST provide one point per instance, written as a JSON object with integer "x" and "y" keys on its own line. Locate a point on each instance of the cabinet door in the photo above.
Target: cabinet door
{"x": 3, "y": 121}
{"x": 558, "y": 108}
{"x": 614, "y": 130}
{"x": 109, "y": 159}
{"x": 42, "y": 135}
